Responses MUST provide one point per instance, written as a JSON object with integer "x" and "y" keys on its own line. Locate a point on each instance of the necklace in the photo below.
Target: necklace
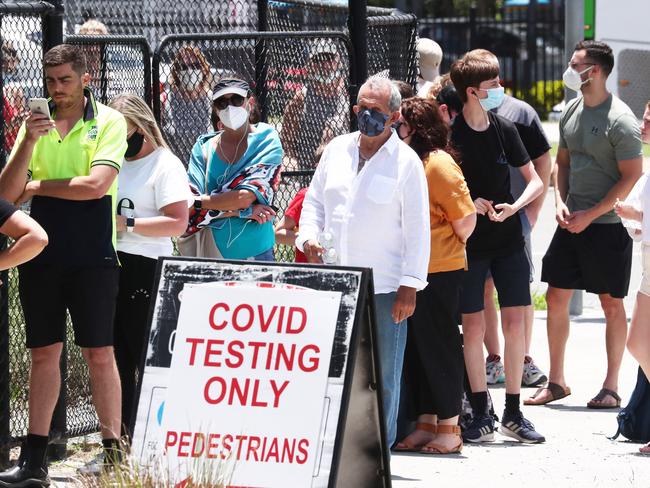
{"x": 234, "y": 156}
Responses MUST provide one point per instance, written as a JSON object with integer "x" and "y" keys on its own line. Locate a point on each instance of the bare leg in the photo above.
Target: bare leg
{"x": 473, "y": 336}
{"x": 638, "y": 342}
{"x": 44, "y": 387}
{"x": 557, "y": 330}
{"x": 491, "y": 320}
{"x": 615, "y": 337}
{"x": 529, "y": 318}
{"x": 514, "y": 349}
{"x": 106, "y": 390}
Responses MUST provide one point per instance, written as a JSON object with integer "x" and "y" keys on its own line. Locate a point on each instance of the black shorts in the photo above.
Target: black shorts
{"x": 598, "y": 260}
{"x": 511, "y": 279}
{"x": 88, "y": 293}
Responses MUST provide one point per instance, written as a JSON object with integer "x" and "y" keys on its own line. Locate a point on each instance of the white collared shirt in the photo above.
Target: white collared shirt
{"x": 379, "y": 217}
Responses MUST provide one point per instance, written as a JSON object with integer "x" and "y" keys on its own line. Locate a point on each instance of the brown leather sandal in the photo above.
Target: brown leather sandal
{"x": 556, "y": 391}
{"x": 404, "y": 447}
{"x": 433, "y": 448}
{"x": 597, "y": 401}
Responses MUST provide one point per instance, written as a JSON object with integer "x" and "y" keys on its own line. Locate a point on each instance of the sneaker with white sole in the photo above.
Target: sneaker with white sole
{"x": 494, "y": 371}
{"x": 518, "y": 427}
{"x": 532, "y": 375}
{"x": 481, "y": 429}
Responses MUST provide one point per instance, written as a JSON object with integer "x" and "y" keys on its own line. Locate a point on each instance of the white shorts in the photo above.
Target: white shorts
{"x": 645, "y": 280}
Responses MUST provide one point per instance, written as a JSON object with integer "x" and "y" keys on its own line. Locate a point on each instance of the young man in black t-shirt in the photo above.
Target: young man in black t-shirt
{"x": 488, "y": 146}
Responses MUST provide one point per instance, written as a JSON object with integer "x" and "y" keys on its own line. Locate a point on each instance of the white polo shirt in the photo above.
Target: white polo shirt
{"x": 379, "y": 217}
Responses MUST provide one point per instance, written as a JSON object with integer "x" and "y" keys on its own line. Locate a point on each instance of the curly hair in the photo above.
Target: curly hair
{"x": 430, "y": 131}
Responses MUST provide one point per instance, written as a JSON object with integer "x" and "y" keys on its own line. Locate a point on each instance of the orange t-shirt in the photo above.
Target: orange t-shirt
{"x": 449, "y": 200}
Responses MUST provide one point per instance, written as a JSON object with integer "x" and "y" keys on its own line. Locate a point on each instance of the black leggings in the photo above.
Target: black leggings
{"x": 434, "y": 364}
{"x": 131, "y": 313}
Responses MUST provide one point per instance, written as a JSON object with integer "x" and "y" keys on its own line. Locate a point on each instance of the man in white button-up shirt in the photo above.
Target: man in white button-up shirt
{"x": 370, "y": 192}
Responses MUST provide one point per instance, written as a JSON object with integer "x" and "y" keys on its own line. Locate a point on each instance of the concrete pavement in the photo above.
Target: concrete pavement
{"x": 577, "y": 452}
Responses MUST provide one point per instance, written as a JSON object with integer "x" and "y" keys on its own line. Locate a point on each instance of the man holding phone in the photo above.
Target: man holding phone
{"x": 73, "y": 160}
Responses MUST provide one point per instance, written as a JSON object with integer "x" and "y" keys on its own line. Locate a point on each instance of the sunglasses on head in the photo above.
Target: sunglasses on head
{"x": 235, "y": 100}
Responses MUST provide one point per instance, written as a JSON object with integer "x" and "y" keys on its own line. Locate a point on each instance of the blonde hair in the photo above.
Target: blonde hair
{"x": 138, "y": 114}
{"x": 93, "y": 27}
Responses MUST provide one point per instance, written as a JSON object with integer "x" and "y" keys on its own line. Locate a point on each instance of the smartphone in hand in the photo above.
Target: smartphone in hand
{"x": 39, "y": 106}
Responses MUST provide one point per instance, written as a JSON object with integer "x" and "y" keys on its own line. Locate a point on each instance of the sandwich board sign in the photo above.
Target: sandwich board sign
{"x": 261, "y": 375}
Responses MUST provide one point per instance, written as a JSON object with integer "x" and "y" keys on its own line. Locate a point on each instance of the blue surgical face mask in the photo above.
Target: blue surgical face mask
{"x": 371, "y": 122}
{"x": 494, "y": 98}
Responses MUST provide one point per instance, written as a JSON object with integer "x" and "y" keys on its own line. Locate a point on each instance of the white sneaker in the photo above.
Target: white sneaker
{"x": 494, "y": 371}
{"x": 532, "y": 376}
{"x": 93, "y": 467}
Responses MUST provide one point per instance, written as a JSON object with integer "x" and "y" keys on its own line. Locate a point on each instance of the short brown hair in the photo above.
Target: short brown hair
{"x": 63, "y": 54}
{"x": 598, "y": 53}
{"x": 472, "y": 69}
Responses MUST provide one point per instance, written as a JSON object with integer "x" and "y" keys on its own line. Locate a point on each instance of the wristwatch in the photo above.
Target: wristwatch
{"x": 130, "y": 224}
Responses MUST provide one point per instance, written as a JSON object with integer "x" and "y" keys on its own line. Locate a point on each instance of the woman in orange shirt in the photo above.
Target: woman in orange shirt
{"x": 434, "y": 361}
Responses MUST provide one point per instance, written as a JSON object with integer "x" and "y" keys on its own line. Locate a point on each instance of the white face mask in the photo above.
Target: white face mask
{"x": 233, "y": 117}
{"x": 573, "y": 79}
{"x": 190, "y": 79}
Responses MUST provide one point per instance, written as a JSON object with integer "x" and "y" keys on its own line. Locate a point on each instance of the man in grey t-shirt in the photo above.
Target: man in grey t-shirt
{"x": 599, "y": 159}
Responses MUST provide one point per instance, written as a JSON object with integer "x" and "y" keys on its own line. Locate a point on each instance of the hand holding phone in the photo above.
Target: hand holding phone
{"x": 39, "y": 126}
{"x": 39, "y": 106}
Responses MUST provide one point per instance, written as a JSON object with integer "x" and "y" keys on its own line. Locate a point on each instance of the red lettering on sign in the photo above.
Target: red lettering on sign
{"x": 213, "y": 312}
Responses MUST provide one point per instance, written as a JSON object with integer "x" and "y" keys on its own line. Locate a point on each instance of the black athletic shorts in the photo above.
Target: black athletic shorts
{"x": 88, "y": 293}
{"x": 598, "y": 260}
{"x": 510, "y": 273}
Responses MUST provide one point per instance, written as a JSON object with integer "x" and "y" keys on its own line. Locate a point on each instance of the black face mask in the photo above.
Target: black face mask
{"x": 134, "y": 144}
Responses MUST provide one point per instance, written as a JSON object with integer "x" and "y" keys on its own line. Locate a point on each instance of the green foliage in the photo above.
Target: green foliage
{"x": 542, "y": 96}
{"x": 539, "y": 300}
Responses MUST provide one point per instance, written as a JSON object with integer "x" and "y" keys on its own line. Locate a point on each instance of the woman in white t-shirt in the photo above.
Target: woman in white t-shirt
{"x": 152, "y": 207}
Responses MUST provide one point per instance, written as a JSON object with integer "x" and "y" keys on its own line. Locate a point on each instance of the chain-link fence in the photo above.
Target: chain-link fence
{"x": 116, "y": 64}
{"x": 156, "y": 18}
{"x": 303, "y": 84}
{"x": 391, "y": 34}
{"x": 301, "y": 79}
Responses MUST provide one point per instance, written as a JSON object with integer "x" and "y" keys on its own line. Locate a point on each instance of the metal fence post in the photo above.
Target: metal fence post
{"x": 531, "y": 48}
{"x": 472, "y": 26}
{"x": 53, "y": 26}
{"x": 574, "y": 24}
{"x": 261, "y": 67}
{"x": 5, "y": 388}
{"x": 53, "y": 36}
{"x": 358, "y": 28}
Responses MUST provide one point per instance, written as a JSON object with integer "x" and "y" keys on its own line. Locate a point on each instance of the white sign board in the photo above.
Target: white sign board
{"x": 247, "y": 383}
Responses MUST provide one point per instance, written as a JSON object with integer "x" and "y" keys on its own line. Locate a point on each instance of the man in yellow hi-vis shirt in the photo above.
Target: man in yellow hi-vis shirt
{"x": 73, "y": 160}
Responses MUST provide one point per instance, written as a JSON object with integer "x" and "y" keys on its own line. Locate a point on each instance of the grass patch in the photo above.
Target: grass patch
{"x": 538, "y": 300}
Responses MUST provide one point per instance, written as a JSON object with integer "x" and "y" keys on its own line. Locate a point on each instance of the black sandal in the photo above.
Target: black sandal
{"x": 596, "y": 402}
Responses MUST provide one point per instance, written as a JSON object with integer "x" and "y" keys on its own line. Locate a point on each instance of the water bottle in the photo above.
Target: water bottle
{"x": 326, "y": 240}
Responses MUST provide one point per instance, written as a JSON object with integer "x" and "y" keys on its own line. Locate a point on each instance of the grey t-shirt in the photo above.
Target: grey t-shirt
{"x": 597, "y": 139}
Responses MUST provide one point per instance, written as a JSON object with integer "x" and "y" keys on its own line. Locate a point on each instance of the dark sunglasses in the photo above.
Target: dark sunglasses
{"x": 235, "y": 100}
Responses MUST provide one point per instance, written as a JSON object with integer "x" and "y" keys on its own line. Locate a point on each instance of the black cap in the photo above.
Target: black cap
{"x": 449, "y": 96}
{"x": 228, "y": 86}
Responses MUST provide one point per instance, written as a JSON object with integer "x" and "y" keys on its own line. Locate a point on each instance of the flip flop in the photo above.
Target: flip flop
{"x": 557, "y": 392}
{"x": 596, "y": 402}
{"x": 404, "y": 447}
